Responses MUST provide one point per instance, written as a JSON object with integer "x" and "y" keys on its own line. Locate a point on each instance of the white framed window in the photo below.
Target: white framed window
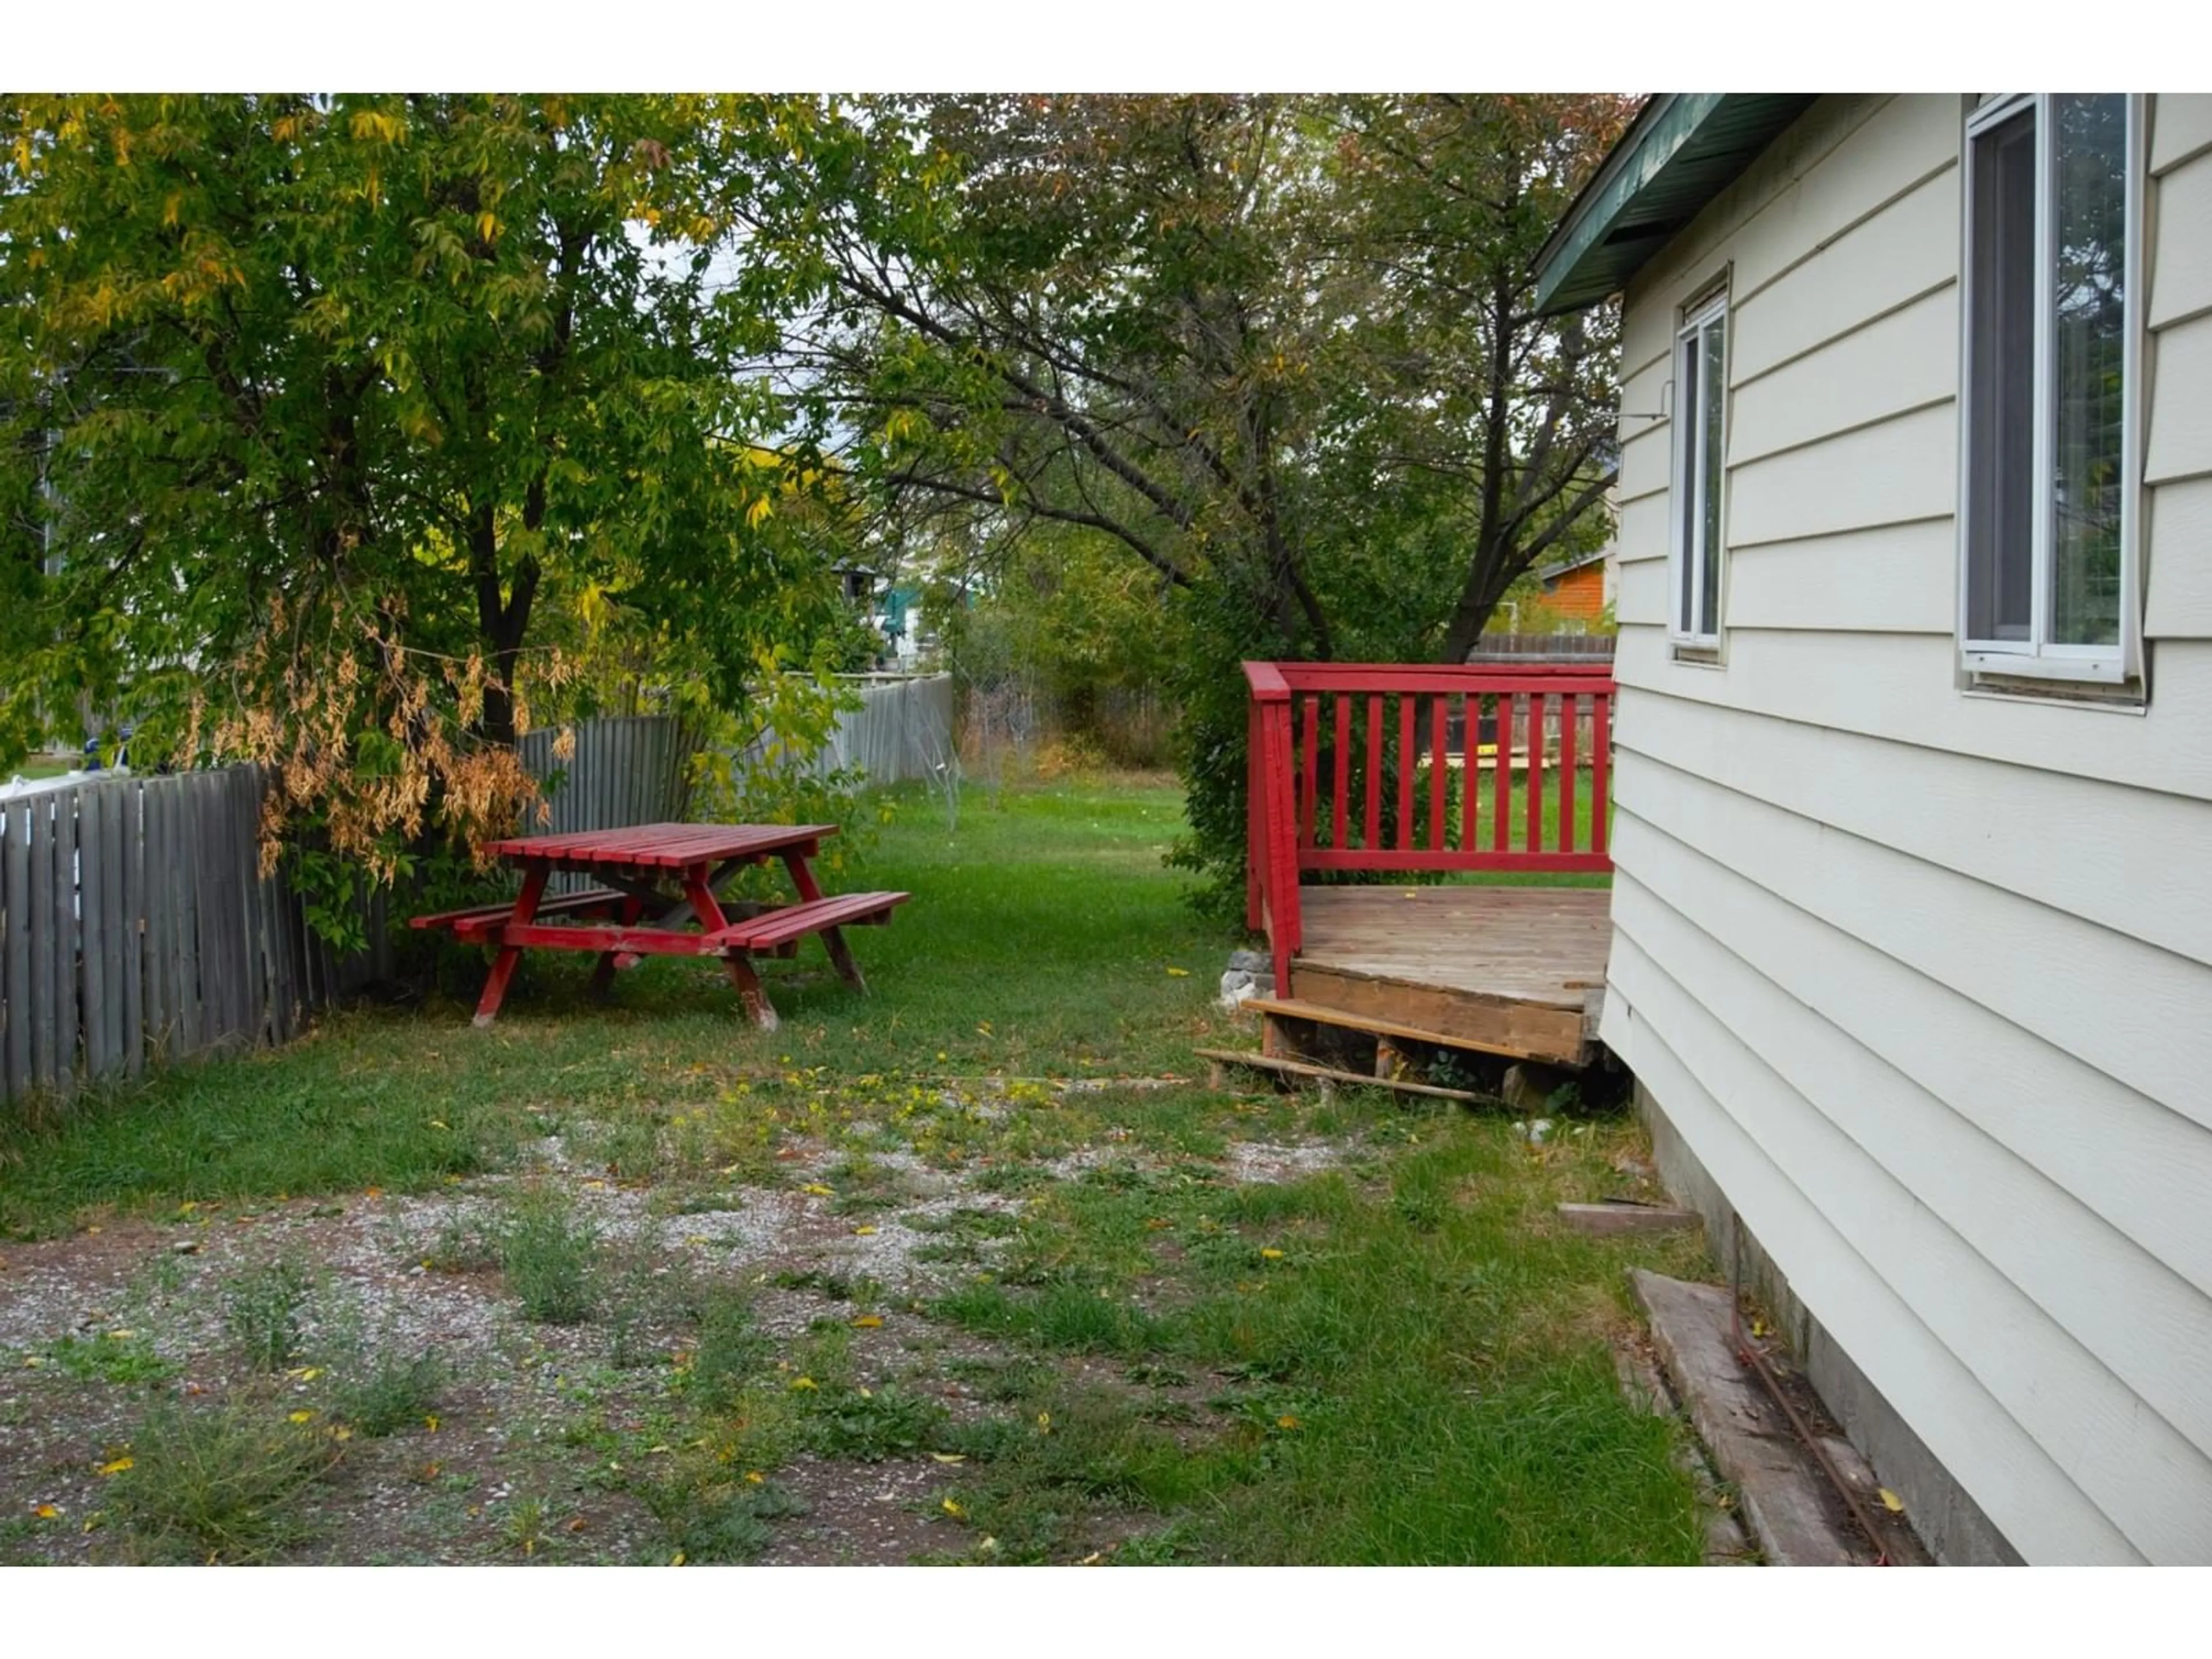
{"x": 1700, "y": 445}
{"x": 2050, "y": 462}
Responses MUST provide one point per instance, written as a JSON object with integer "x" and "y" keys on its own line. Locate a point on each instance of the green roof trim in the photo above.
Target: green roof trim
{"x": 1682, "y": 151}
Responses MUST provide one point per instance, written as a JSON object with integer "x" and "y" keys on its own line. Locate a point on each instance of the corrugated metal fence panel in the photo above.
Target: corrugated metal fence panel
{"x": 625, "y": 770}
{"x": 902, "y": 731}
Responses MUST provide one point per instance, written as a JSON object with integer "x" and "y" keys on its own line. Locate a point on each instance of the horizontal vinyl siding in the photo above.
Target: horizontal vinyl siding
{"x": 2179, "y": 599}
{"x": 1898, "y": 363}
{"x": 1907, "y": 250}
{"x": 2180, "y": 409}
{"x": 2181, "y": 245}
{"x": 1922, "y": 979}
{"x": 1729, "y": 1120}
{"x": 1898, "y": 579}
{"x": 2126, "y": 1464}
{"x": 1966, "y": 817}
{"x": 2181, "y": 128}
{"x": 1901, "y": 686}
{"x": 1827, "y": 487}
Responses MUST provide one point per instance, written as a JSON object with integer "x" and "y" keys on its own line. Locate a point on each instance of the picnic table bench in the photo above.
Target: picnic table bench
{"x": 659, "y": 895}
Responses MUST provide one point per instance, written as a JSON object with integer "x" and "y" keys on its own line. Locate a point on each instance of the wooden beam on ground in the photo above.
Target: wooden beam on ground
{"x": 1796, "y": 1514}
{"x": 1626, "y": 1215}
{"x": 1330, "y": 1074}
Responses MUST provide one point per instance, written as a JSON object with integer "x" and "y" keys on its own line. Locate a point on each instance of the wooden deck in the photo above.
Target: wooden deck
{"x": 1507, "y": 970}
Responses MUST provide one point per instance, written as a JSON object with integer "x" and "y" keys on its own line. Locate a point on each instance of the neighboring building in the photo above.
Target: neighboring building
{"x": 1912, "y": 917}
{"x": 1579, "y": 589}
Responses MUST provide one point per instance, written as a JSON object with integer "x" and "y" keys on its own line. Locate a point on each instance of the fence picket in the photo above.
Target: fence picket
{"x": 16, "y": 960}
{"x": 92, "y": 914}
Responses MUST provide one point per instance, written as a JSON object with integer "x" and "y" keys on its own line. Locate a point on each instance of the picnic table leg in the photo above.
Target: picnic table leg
{"x": 709, "y": 909}
{"x": 603, "y": 972}
{"x": 502, "y": 967}
{"x": 833, "y": 938}
{"x": 750, "y": 992}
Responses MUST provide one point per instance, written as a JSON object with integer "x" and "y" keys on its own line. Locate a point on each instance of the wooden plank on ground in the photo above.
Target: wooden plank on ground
{"x": 1288, "y": 1068}
{"x": 1797, "y": 1518}
{"x": 1320, "y": 1014}
{"x": 1618, "y": 1216}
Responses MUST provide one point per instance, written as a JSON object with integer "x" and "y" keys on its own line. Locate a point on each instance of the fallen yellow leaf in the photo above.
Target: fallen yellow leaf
{"x": 950, "y": 1457}
{"x": 1178, "y": 973}
{"x": 1271, "y": 1255}
{"x": 817, "y": 1189}
{"x": 117, "y": 1466}
{"x": 1286, "y": 1421}
{"x": 868, "y": 1322}
{"x": 46, "y": 1511}
{"x": 862, "y": 1232}
{"x": 342, "y": 1433}
{"x": 802, "y": 1383}
{"x": 954, "y": 1511}
{"x": 676, "y": 1560}
{"x": 302, "y": 1417}
{"x": 431, "y": 1423}
{"x": 755, "y": 1477}
{"x": 121, "y": 1336}
{"x": 1892, "y": 1502}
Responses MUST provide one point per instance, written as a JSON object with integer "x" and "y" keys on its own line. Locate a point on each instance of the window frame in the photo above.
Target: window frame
{"x": 2037, "y": 657}
{"x": 1687, "y": 556}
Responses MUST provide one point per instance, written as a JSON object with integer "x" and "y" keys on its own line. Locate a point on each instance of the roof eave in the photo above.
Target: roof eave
{"x": 1682, "y": 151}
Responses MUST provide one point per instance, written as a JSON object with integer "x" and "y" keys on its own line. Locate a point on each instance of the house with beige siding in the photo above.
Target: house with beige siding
{"x": 1911, "y": 952}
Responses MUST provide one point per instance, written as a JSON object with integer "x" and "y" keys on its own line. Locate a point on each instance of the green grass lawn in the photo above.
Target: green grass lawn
{"x": 1390, "y": 1354}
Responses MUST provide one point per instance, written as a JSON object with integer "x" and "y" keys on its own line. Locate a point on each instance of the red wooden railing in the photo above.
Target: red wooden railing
{"x": 1352, "y": 768}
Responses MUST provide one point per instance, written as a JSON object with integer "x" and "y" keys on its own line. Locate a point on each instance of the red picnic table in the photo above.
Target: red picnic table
{"x": 659, "y": 897}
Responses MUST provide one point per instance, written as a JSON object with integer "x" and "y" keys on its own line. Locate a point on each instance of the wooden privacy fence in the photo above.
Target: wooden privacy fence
{"x": 135, "y": 924}
{"x": 1366, "y": 767}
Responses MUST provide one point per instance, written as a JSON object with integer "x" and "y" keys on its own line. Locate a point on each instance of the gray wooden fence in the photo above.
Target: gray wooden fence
{"x": 136, "y": 925}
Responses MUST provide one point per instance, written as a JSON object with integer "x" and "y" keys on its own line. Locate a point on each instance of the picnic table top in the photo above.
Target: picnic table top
{"x": 662, "y": 846}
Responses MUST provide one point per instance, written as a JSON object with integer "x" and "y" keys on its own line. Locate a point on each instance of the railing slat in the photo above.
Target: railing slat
{"x": 1470, "y": 744}
{"x": 1501, "y": 775}
{"x": 1437, "y": 838}
{"x": 1539, "y": 707}
{"x": 1340, "y": 807}
{"x": 1570, "y": 717}
{"x": 1406, "y": 707}
{"x": 1309, "y": 800}
{"x": 1372, "y": 789}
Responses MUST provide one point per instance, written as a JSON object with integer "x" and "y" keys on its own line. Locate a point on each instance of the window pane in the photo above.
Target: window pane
{"x": 1712, "y": 381}
{"x": 2000, "y": 383}
{"x": 1686, "y": 408}
{"x": 2089, "y": 314}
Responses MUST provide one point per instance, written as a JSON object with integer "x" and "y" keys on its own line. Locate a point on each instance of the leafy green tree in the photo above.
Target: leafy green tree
{"x": 1282, "y": 351}
{"x": 334, "y": 432}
